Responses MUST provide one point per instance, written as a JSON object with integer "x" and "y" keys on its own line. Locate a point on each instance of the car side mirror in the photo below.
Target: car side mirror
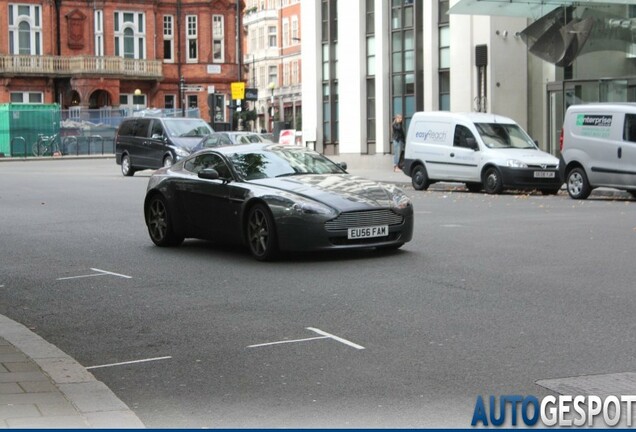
{"x": 157, "y": 136}
{"x": 471, "y": 143}
{"x": 209, "y": 174}
{"x": 342, "y": 165}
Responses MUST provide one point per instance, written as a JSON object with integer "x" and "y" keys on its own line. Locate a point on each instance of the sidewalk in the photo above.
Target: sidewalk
{"x": 42, "y": 387}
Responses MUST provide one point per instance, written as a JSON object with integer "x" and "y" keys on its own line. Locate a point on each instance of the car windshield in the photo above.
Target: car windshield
{"x": 188, "y": 128}
{"x": 282, "y": 162}
{"x": 499, "y": 135}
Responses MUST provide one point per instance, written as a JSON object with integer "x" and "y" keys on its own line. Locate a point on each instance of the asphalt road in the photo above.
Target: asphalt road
{"x": 493, "y": 294}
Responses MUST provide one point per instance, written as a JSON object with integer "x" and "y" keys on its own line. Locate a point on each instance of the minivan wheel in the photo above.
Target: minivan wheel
{"x": 419, "y": 179}
{"x": 126, "y": 167}
{"x": 577, "y": 183}
{"x": 493, "y": 183}
{"x": 168, "y": 161}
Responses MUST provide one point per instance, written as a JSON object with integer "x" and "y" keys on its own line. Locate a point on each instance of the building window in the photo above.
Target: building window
{"x": 99, "y": 33}
{"x": 294, "y": 78}
{"x": 273, "y": 74}
{"x": 295, "y": 37}
{"x": 169, "y": 101}
{"x": 285, "y": 32}
{"x": 130, "y": 35}
{"x": 218, "y": 43}
{"x": 271, "y": 32}
{"x": 405, "y": 93}
{"x": 191, "y": 39}
{"x": 193, "y": 101}
{"x": 25, "y": 29}
{"x": 27, "y": 97}
{"x": 168, "y": 38}
{"x": 370, "y": 89}
{"x": 132, "y": 101}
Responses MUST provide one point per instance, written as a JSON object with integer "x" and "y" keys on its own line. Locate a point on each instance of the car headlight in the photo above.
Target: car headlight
{"x": 514, "y": 163}
{"x": 179, "y": 151}
{"x": 306, "y": 206}
{"x": 399, "y": 200}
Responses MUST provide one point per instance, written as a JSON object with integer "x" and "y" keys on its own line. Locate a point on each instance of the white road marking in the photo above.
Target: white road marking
{"x": 130, "y": 362}
{"x": 100, "y": 273}
{"x": 324, "y": 335}
{"x": 339, "y": 339}
{"x": 287, "y": 341}
{"x": 1, "y": 286}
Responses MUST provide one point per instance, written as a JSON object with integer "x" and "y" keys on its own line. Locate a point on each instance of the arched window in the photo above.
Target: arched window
{"x": 24, "y": 38}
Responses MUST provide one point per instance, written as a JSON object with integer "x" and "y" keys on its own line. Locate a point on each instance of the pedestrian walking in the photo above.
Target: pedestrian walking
{"x": 398, "y": 142}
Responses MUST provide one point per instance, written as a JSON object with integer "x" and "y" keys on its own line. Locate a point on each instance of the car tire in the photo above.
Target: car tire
{"x": 160, "y": 224}
{"x": 493, "y": 183}
{"x": 474, "y": 187}
{"x": 261, "y": 233}
{"x": 126, "y": 166}
{"x": 419, "y": 178}
{"x": 577, "y": 184}
{"x": 168, "y": 162}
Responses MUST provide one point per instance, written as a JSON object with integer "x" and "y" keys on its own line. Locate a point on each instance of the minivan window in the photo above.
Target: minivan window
{"x": 187, "y": 127}
{"x": 500, "y": 135}
{"x": 157, "y": 129}
{"x": 143, "y": 125}
{"x": 629, "y": 133}
{"x": 127, "y": 128}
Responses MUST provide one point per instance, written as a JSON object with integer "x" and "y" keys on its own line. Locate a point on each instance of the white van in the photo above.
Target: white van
{"x": 598, "y": 148}
{"x": 482, "y": 150}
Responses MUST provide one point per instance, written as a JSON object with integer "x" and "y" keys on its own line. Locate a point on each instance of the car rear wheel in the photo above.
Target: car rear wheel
{"x": 159, "y": 222}
{"x": 126, "y": 167}
{"x": 168, "y": 161}
{"x": 419, "y": 179}
{"x": 261, "y": 233}
{"x": 493, "y": 183}
{"x": 577, "y": 183}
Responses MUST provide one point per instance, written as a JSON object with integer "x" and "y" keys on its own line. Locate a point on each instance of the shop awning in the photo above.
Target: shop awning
{"x": 523, "y": 8}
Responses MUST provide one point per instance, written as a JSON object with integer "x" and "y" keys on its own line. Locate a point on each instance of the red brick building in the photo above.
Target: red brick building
{"x": 131, "y": 53}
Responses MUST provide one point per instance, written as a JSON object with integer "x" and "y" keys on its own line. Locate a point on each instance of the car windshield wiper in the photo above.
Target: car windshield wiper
{"x": 289, "y": 174}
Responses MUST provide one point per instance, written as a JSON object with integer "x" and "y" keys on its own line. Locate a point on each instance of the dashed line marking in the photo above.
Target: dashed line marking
{"x": 129, "y": 362}
{"x": 323, "y": 335}
{"x": 99, "y": 273}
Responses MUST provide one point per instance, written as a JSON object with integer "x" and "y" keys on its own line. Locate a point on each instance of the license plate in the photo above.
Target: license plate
{"x": 544, "y": 174}
{"x": 368, "y": 232}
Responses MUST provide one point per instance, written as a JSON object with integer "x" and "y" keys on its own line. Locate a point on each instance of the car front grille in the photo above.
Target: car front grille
{"x": 363, "y": 219}
{"x": 550, "y": 167}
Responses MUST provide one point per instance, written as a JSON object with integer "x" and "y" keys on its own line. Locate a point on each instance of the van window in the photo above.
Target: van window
{"x": 157, "y": 128}
{"x": 629, "y": 132}
{"x": 126, "y": 128}
{"x": 461, "y": 133}
{"x": 143, "y": 125}
{"x": 500, "y": 135}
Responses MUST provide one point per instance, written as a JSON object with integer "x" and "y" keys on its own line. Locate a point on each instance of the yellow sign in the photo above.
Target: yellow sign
{"x": 238, "y": 90}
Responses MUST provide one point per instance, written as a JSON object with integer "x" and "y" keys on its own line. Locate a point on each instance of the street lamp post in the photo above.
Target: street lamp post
{"x": 182, "y": 95}
{"x": 272, "y": 86}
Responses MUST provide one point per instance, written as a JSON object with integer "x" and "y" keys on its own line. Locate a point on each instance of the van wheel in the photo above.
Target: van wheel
{"x": 493, "y": 183}
{"x": 167, "y": 161}
{"x": 419, "y": 179}
{"x": 126, "y": 166}
{"x": 473, "y": 187}
{"x": 577, "y": 183}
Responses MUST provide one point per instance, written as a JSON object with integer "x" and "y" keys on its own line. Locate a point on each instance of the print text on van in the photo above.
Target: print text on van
{"x": 593, "y": 120}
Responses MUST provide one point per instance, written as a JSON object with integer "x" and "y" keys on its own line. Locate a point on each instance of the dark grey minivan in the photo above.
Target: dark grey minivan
{"x": 154, "y": 142}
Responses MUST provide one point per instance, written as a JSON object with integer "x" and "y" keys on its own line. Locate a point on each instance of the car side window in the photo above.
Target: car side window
{"x": 629, "y": 131}
{"x": 461, "y": 135}
{"x": 143, "y": 126}
{"x": 195, "y": 165}
{"x": 157, "y": 129}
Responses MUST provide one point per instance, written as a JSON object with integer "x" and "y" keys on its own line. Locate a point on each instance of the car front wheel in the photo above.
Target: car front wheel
{"x": 493, "y": 183}
{"x": 126, "y": 166}
{"x": 577, "y": 183}
{"x": 261, "y": 233}
{"x": 159, "y": 222}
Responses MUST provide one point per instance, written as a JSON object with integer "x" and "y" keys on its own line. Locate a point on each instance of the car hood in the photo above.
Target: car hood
{"x": 529, "y": 156}
{"x": 340, "y": 191}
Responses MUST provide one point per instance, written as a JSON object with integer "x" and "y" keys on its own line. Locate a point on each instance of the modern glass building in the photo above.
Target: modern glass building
{"x": 366, "y": 60}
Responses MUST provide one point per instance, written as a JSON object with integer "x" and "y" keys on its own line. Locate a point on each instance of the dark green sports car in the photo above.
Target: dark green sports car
{"x": 274, "y": 198}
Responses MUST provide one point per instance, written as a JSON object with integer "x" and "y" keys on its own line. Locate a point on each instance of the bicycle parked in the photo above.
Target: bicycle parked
{"x": 47, "y": 145}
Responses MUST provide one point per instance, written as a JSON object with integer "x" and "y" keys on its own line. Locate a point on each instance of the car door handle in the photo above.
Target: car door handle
{"x": 452, "y": 155}
{"x": 620, "y": 152}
